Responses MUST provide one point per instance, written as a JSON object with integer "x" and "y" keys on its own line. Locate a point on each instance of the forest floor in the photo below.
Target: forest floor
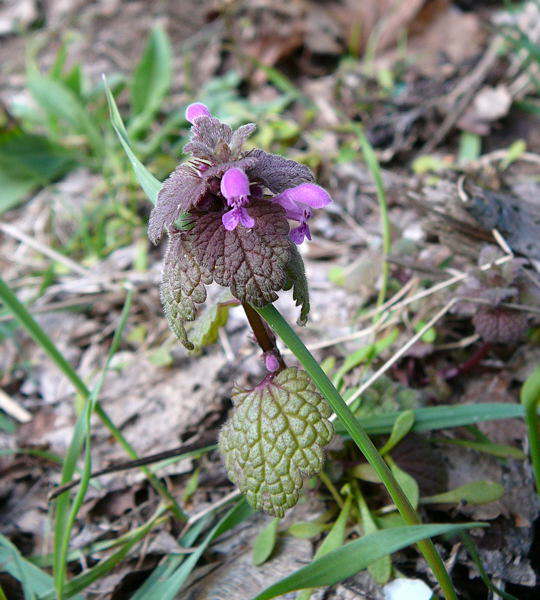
{"x": 447, "y": 93}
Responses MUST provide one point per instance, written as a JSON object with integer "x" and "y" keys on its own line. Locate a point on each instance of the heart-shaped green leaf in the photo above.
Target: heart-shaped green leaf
{"x": 274, "y": 438}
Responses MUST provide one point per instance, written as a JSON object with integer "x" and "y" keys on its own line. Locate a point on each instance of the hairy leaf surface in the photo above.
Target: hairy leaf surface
{"x": 274, "y": 438}
{"x": 180, "y": 191}
{"x": 278, "y": 173}
{"x": 182, "y": 287}
{"x": 296, "y": 279}
{"x": 209, "y": 136}
{"x": 239, "y": 136}
{"x": 251, "y": 262}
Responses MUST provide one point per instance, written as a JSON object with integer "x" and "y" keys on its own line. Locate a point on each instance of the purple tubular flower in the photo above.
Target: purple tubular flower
{"x": 307, "y": 193}
{"x": 297, "y": 202}
{"x": 196, "y": 110}
{"x": 298, "y": 234}
{"x": 235, "y": 188}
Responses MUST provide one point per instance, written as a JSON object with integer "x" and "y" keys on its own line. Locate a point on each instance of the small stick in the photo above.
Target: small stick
{"x": 13, "y": 409}
{"x": 131, "y": 464}
{"x": 399, "y": 353}
{"x": 43, "y": 248}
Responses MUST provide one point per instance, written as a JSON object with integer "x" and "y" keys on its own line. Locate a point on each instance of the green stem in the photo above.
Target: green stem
{"x": 360, "y": 437}
{"x": 331, "y": 488}
{"x": 386, "y": 230}
{"x": 530, "y": 398}
{"x": 263, "y": 334}
{"x": 20, "y": 312}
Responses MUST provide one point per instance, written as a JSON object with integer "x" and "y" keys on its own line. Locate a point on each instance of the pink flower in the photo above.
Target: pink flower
{"x": 271, "y": 361}
{"x": 235, "y": 188}
{"x": 298, "y": 234}
{"x": 196, "y": 110}
{"x": 306, "y": 193}
{"x": 297, "y": 202}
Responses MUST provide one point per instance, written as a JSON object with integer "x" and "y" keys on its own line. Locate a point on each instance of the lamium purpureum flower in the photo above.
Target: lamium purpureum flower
{"x": 235, "y": 189}
{"x": 239, "y": 206}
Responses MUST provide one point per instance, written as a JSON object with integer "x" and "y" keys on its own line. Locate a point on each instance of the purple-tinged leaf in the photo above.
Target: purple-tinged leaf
{"x": 218, "y": 170}
{"x": 251, "y": 262}
{"x": 499, "y": 325}
{"x": 208, "y": 137}
{"x": 278, "y": 173}
{"x": 239, "y": 136}
{"x": 180, "y": 192}
{"x": 182, "y": 286}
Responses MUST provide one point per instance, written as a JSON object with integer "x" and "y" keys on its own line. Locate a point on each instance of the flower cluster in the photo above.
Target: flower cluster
{"x": 238, "y": 206}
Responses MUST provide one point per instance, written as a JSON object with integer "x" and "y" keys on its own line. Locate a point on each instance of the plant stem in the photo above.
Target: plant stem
{"x": 362, "y": 440}
{"x": 331, "y": 488}
{"x": 530, "y": 398}
{"x": 375, "y": 170}
{"x": 263, "y": 334}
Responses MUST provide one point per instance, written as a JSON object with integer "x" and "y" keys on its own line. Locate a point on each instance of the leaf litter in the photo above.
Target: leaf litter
{"x": 159, "y": 407}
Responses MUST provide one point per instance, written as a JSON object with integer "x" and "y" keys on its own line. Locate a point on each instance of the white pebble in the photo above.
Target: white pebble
{"x": 407, "y": 589}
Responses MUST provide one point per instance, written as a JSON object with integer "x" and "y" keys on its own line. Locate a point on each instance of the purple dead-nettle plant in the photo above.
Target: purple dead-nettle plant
{"x": 235, "y": 218}
{"x": 489, "y": 296}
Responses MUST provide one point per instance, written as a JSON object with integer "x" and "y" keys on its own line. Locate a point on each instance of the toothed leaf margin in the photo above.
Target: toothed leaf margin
{"x": 296, "y": 279}
{"x": 182, "y": 286}
{"x": 274, "y": 438}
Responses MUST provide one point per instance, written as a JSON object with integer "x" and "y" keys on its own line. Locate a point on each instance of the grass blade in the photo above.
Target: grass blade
{"x": 441, "y": 417}
{"x": 273, "y": 317}
{"x": 167, "y": 589}
{"x": 530, "y": 399}
{"x": 346, "y": 561}
{"x": 65, "y": 516}
{"x": 375, "y": 170}
{"x": 32, "y": 327}
{"x": 470, "y": 546}
{"x": 59, "y": 102}
{"x": 334, "y": 540}
{"x": 147, "y": 181}
{"x": 165, "y": 569}
{"x": 82, "y": 581}
{"x": 151, "y": 80}
{"x": 34, "y": 581}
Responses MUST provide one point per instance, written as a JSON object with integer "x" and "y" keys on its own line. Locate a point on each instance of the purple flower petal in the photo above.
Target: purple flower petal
{"x": 271, "y": 362}
{"x": 231, "y": 219}
{"x": 196, "y": 110}
{"x": 298, "y": 234}
{"x": 235, "y": 185}
{"x": 308, "y": 193}
{"x": 239, "y": 215}
{"x": 293, "y": 210}
{"x": 247, "y": 221}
